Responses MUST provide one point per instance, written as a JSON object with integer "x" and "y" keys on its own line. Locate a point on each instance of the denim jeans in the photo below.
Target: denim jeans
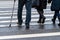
{"x": 28, "y": 5}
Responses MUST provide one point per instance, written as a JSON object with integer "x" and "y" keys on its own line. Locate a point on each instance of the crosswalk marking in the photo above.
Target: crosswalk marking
{"x": 8, "y": 33}
{"x": 30, "y": 35}
{"x": 6, "y": 12}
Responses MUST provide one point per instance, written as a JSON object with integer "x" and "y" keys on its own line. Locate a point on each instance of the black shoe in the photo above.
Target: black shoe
{"x": 59, "y": 24}
{"x": 43, "y": 20}
{"x": 38, "y": 21}
{"x": 53, "y": 21}
{"x": 19, "y": 23}
{"x": 27, "y": 26}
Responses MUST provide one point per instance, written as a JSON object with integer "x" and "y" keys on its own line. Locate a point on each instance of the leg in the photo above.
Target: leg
{"x": 41, "y": 16}
{"x": 28, "y": 12}
{"x": 39, "y": 21}
{"x": 20, "y": 7}
{"x": 55, "y": 16}
{"x": 59, "y": 19}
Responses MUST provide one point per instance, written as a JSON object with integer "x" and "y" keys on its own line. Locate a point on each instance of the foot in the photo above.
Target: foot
{"x": 27, "y": 26}
{"x": 38, "y": 21}
{"x": 19, "y": 23}
{"x": 59, "y": 24}
{"x": 43, "y": 20}
{"x": 53, "y": 21}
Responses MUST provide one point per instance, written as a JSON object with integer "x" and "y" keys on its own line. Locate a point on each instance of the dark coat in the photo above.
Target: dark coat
{"x": 55, "y": 5}
{"x": 42, "y": 4}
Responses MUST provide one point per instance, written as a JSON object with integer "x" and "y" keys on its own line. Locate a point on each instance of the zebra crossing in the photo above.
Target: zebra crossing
{"x": 14, "y": 33}
{"x": 6, "y": 12}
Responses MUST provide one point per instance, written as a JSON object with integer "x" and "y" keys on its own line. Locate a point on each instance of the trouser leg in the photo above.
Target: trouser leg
{"x": 41, "y": 16}
{"x": 20, "y": 7}
{"x": 28, "y": 11}
{"x": 55, "y": 16}
{"x": 58, "y": 17}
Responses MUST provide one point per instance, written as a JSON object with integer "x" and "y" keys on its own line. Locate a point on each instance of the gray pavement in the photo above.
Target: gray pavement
{"x": 46, "y": 31}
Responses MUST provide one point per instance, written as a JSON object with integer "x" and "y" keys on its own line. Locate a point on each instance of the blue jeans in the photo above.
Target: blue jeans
{"x": 28, "y": 5}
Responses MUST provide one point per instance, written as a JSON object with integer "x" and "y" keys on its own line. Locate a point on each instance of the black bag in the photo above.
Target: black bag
{"x": 35, "y": 2}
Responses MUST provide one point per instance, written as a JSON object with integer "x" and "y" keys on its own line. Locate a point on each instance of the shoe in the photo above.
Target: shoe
{"x": 59, "y": 24}
{"x": 19, "y": 23}
{"x": 43, "y": 20}
{"x": 27, "y": 26}
{"x": 39, "y": 21}
{"x": 53, "y": 21}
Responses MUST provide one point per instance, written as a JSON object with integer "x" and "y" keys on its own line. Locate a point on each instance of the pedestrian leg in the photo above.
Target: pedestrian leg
{"x": 55, "y": 16}
{"x": 59, "y": 19}
{"x": 20, "y": 7}
{"x": 28, "y": 12}
{"x": 41, "y": 16}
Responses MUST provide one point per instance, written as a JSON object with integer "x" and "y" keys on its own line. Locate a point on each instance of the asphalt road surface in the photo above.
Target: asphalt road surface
{"x": 47, "y": 31}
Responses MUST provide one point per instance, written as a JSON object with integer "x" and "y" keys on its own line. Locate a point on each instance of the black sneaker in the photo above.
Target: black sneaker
{"x": 53, "y": 21}
{"x": 43, "y": 20}
{"x": 59, "y": 24}
{"x": 27, "y": 26}
{"x": 19, "y": 23}
{"x": 38, "y": 21}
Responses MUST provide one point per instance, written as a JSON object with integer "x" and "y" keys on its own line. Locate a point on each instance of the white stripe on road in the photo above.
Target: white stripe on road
{"x": 30, "y": 35}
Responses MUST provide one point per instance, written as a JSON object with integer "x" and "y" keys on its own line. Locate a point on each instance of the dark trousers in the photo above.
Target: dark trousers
{"x": 27, "y": 4}
{"x": 40, "y": 11}
{"x": 56, "y": 15}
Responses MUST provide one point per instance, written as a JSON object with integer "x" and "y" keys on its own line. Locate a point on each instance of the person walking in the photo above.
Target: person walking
{"x": 55, "y": 6}
{"x": 27, "y": 4}
{"x": 42, "y": 5}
